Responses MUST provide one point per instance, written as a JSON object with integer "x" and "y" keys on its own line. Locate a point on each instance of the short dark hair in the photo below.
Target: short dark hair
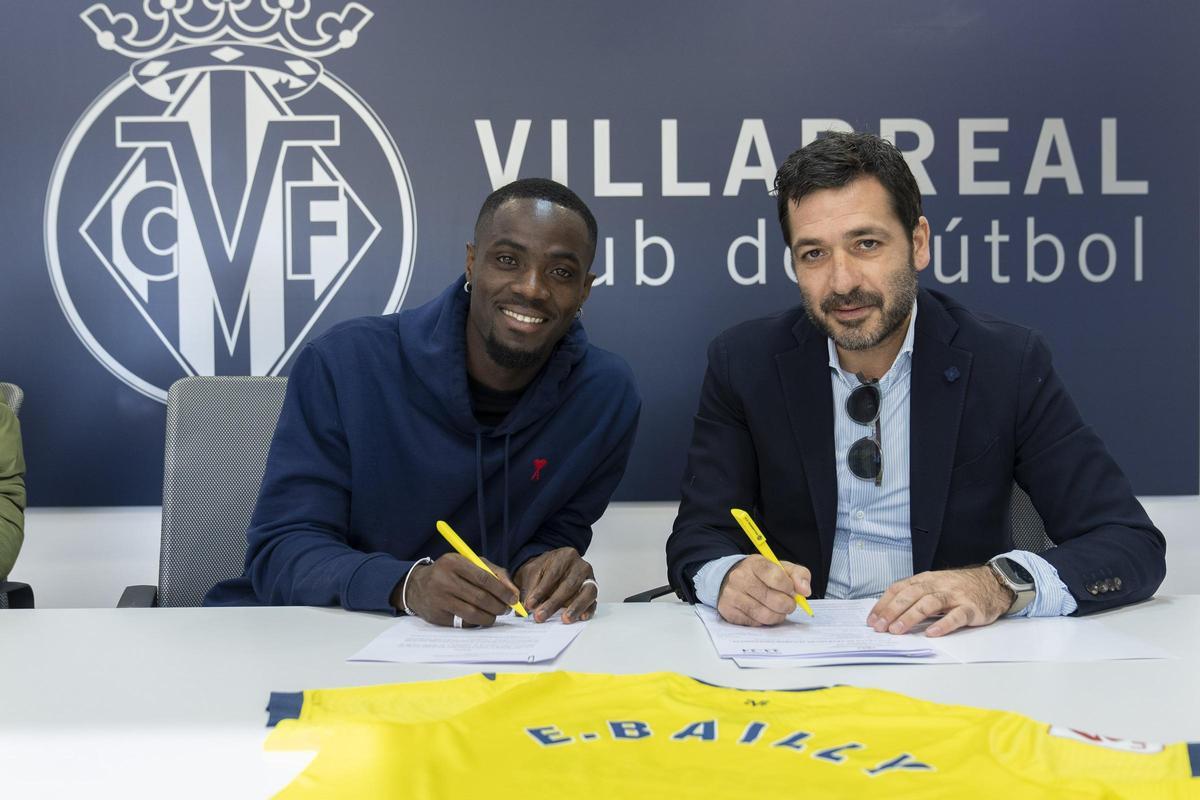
{"x": 537, "y": 189}
{"x": 835, "y": 160}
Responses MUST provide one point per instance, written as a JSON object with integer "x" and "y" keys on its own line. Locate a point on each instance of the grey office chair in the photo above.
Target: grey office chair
{"x": 1028, "y": 533}
{"x": 218, "y": 432}
{"x": 14, "y": 594}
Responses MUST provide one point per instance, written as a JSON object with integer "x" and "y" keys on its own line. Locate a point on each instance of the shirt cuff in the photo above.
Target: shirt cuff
{"x": 709, "y": 578}
{"x": 1051, "y": 598}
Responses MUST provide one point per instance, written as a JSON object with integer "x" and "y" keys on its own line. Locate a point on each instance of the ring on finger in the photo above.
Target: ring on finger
{"x": 457, "y": 621}
{"x": 592, "y": 581}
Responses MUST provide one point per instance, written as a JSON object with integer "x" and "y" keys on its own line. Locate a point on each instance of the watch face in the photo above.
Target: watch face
{"x": 1020, "y": 573}
{"x": 1015, "y": 573}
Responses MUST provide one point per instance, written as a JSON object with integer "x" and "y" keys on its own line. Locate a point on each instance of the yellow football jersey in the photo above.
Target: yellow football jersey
{"x": 566, "y": 735}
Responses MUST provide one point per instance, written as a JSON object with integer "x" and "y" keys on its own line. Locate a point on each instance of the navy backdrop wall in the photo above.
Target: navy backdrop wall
{"x": 200, "y": 187}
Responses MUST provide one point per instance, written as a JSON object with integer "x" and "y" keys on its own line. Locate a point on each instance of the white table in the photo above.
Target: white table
{"x": 153, "y": 702}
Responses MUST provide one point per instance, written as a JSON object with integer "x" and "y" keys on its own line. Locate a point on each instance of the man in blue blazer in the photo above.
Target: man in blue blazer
{"x": 875, "y": 433}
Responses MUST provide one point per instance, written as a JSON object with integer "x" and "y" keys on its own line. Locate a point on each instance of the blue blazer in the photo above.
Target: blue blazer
{"x": 987, "y": 409}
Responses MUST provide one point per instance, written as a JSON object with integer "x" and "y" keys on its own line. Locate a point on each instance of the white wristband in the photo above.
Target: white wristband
{"x": 404, "y": 588}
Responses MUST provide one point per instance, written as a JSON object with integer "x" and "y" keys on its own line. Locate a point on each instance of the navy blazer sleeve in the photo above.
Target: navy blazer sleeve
{"x": 722, "y": 473}
{"x": 1087, "y": 504}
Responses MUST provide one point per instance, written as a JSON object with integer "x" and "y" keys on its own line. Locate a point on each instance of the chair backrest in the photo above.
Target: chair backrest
{"x": 12, "y": 396}
{"x": 219, "y": 430}
{"x": 1028, "y": 531}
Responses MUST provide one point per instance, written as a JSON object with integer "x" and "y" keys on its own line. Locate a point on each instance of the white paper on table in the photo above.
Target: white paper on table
{"x": 788, "y": 662}
{"x": 835, "y": 613}
{"x": 1050, "y": 639}
{"x": 512, "y": 640}
{"x": 838, "y": 628}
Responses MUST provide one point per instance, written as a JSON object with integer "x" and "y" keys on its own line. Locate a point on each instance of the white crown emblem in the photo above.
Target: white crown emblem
{"x": 269, "y": 36}
{"x": 176, "y": 23}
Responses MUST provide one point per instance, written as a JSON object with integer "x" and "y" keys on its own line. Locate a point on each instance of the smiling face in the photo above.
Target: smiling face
{"x": 856, "y": 264}
{"x": 528, "y": 269}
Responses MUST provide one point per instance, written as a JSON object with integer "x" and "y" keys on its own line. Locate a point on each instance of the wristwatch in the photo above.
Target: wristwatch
{"x": 1017, "y": 578}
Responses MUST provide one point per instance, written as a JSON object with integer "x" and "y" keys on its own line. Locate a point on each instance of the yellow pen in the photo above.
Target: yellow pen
{"x": 466, "y": 552}
{"x": 760, "y": 542}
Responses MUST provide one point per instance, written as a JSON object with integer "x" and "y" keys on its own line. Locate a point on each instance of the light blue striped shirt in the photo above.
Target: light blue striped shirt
{"x": 872, "y": 546}
{"x": 873, "y": 543}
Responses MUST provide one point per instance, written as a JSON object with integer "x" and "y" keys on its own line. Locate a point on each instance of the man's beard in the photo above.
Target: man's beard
{"x": 904, "y": 293}
{"x": 510, "y": 357}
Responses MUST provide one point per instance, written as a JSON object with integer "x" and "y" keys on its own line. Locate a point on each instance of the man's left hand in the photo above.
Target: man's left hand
{"x": 554, "y": 581}
{"x": 966, "y": 597}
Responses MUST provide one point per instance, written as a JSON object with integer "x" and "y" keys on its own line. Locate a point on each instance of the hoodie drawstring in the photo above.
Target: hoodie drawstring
{"x": 504, "y": 541}
{"x": 479, "y": 494}
{"x": 483, "y": 533}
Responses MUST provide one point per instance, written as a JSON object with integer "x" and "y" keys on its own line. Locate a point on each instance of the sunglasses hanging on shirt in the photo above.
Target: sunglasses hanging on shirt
{"x": 865, "y": 457}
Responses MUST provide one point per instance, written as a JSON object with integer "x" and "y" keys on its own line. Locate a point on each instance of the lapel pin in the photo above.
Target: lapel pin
{"x": 952, "y": 374}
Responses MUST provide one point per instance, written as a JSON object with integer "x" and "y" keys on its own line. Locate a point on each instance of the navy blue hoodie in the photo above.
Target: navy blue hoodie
{"x": 377, "y": 440}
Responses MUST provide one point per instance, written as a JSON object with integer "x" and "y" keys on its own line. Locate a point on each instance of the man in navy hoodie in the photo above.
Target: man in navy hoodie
{"x": 485, "y": 407}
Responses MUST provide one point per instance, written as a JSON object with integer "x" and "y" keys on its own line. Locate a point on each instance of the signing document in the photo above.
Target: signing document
{"x": 512, "y": 640}
{"x": 838, "y": 634}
